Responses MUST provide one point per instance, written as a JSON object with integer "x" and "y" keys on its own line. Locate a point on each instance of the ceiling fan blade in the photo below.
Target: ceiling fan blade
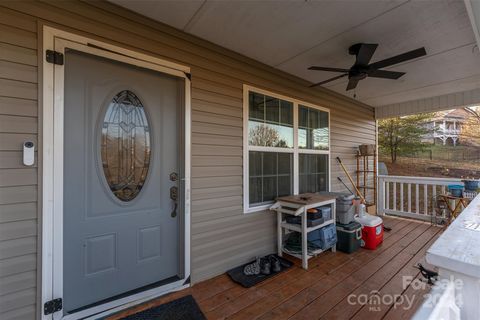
{"x": 400, "y": 58}
{"x": 329, "y": 80}
{"x": 365, "y": 53}
{"x": 384, "y": 74}
{"x": 352, "y": 84}
{"x": 328, "y": 69}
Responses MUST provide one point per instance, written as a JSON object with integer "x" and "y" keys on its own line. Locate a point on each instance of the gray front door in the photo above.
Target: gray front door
{"x": 121, "y": 146}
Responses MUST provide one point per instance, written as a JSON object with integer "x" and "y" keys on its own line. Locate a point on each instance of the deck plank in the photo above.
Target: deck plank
{"x": 371, "y": 285}
{"x": 395, "y": 287}
{"x": 288, "y": 307}
{"x": 322, "y": 303}
{"x": 322, "y": 291}
{"x": 413, "y": 297}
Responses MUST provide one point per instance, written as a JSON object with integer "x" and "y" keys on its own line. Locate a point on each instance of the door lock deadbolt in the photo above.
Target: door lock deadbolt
{"x": 173, "y": 176}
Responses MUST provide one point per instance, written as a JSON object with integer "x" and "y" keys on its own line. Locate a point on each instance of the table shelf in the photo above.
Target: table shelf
{"x": 298, "y": 227}
{"x": 310, "y": 254}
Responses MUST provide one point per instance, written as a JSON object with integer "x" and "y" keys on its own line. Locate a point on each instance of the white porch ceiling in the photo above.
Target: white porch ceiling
{"x": 293, "y": 35}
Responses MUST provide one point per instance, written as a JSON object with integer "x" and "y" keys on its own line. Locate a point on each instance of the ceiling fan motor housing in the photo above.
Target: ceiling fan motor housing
{"x": 357, "y": 72}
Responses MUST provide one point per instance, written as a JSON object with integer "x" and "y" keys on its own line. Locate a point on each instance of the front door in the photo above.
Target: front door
{"x": 121, "y": 179}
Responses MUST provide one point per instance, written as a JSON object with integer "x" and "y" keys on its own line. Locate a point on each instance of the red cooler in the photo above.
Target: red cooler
{"x": 372, "y": 231}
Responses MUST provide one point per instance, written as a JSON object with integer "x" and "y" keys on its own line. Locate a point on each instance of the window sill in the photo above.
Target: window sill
{"x": 257, "y": 209}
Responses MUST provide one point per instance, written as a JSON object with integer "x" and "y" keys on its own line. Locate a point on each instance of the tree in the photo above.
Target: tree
{"x": 470, "y": 131}
{"x": 403, "y": 135}
{"x": 263, "y": 135}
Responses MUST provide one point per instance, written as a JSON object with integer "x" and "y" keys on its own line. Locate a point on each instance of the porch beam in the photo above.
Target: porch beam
{"x": 430, "y": 104}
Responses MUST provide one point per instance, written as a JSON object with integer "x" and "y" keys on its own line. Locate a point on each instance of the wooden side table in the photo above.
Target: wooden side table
{"x": 455, "y": 205}
{"x": 298, "y": 205}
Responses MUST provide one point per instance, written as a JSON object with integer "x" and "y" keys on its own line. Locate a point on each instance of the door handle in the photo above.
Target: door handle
{"x": 173, "y": 214}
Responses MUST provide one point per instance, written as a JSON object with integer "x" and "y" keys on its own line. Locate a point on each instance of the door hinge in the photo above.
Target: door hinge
{"x": 54, "y": 57}
{"x": 52, "y": 306}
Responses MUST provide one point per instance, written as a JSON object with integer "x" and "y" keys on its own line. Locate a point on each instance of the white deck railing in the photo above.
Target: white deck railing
{"x": 411, "y": 197}
{"x": 440, "y": 303}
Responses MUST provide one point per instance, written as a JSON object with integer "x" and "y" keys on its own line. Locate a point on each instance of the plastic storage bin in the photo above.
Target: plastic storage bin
{"x": 311, "y": 222}
{"x": 345, "y": 217}
{"x": 326, "y": 212}
{"x": 349, "y": 237}
{"x": 372, "y": 231}
{"x": 323, "y": 238}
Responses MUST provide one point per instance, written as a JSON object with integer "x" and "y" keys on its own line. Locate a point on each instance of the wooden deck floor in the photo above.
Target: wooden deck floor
{"x": 334, "y": 287}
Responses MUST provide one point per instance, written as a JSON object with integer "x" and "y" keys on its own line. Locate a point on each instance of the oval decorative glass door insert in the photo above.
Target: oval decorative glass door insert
{"x": 125, "y": 147}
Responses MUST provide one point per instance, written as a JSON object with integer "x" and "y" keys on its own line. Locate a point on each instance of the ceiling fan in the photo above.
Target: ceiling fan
{"x": 362, "y": 69}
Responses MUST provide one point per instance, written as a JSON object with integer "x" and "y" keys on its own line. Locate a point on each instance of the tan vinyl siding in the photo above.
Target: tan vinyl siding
{"x": 18, "y": 184}
{"x": 222, "y": 236}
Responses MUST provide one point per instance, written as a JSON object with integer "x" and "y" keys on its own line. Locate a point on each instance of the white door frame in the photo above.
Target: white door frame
{"x": 52, "y": 182}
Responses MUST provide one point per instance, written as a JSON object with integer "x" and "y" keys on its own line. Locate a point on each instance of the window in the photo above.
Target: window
{"x": 125, "y": 148}
{"x": 286, "y": 148}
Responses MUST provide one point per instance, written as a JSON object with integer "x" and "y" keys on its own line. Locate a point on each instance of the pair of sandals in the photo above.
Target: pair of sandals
{"x": 265, "y": 266}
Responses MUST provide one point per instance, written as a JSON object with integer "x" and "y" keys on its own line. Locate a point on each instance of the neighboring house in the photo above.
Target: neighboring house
{"x": 159, "y": 143}
{"x": 446, "y": 127}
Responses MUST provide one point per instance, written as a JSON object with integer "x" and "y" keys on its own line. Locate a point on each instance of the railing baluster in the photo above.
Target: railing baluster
{"x": 395, "y": 196}
{"x": 387, "y": 193}
{"x": 409, "y": 197}
{"x": 401, "y": 196}
{"x": 417, "y": 197}
{"x": 425, "y": 198}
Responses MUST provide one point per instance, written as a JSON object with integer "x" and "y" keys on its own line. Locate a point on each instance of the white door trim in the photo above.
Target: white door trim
{"x": 52, "y": 157}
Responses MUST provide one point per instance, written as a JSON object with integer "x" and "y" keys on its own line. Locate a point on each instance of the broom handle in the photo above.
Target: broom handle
{"x": 351, "y": 180}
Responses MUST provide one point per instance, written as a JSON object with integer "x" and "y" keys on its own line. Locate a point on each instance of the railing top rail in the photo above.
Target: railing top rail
{"x": 419, "y": 179}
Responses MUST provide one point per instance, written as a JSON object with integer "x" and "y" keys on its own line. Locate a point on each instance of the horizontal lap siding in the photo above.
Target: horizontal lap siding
{"x": 222, "y": 236}
{"x": 18, "y": 184}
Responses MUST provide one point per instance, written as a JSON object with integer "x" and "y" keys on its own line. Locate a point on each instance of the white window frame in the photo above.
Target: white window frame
{"x": 295, "y": 150}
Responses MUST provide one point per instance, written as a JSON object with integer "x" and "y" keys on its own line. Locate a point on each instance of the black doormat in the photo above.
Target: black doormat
{"x": 185, "y": 308}
{"x": 236, "y": 274}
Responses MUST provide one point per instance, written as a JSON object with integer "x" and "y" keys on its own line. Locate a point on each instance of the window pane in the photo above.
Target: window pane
{"x": 313, "y": 172}
{"x": 270, "y": 122}
{"x": 255, "y": 190}
{"x": 274, "y": 178}
{"x": 270, "y": 163}
{"x": 313, "y": 128}
{"x": 269, "y": 189}
{"x": 286, "y": 112}
{"x": 256, "y": 106}
{"x": 272, "y": 114}
{"x": 125, "y": 149}
{"x": 255, "y": 164}
{"x": 284, "y": 185}
{"x": 284, "y": 163}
